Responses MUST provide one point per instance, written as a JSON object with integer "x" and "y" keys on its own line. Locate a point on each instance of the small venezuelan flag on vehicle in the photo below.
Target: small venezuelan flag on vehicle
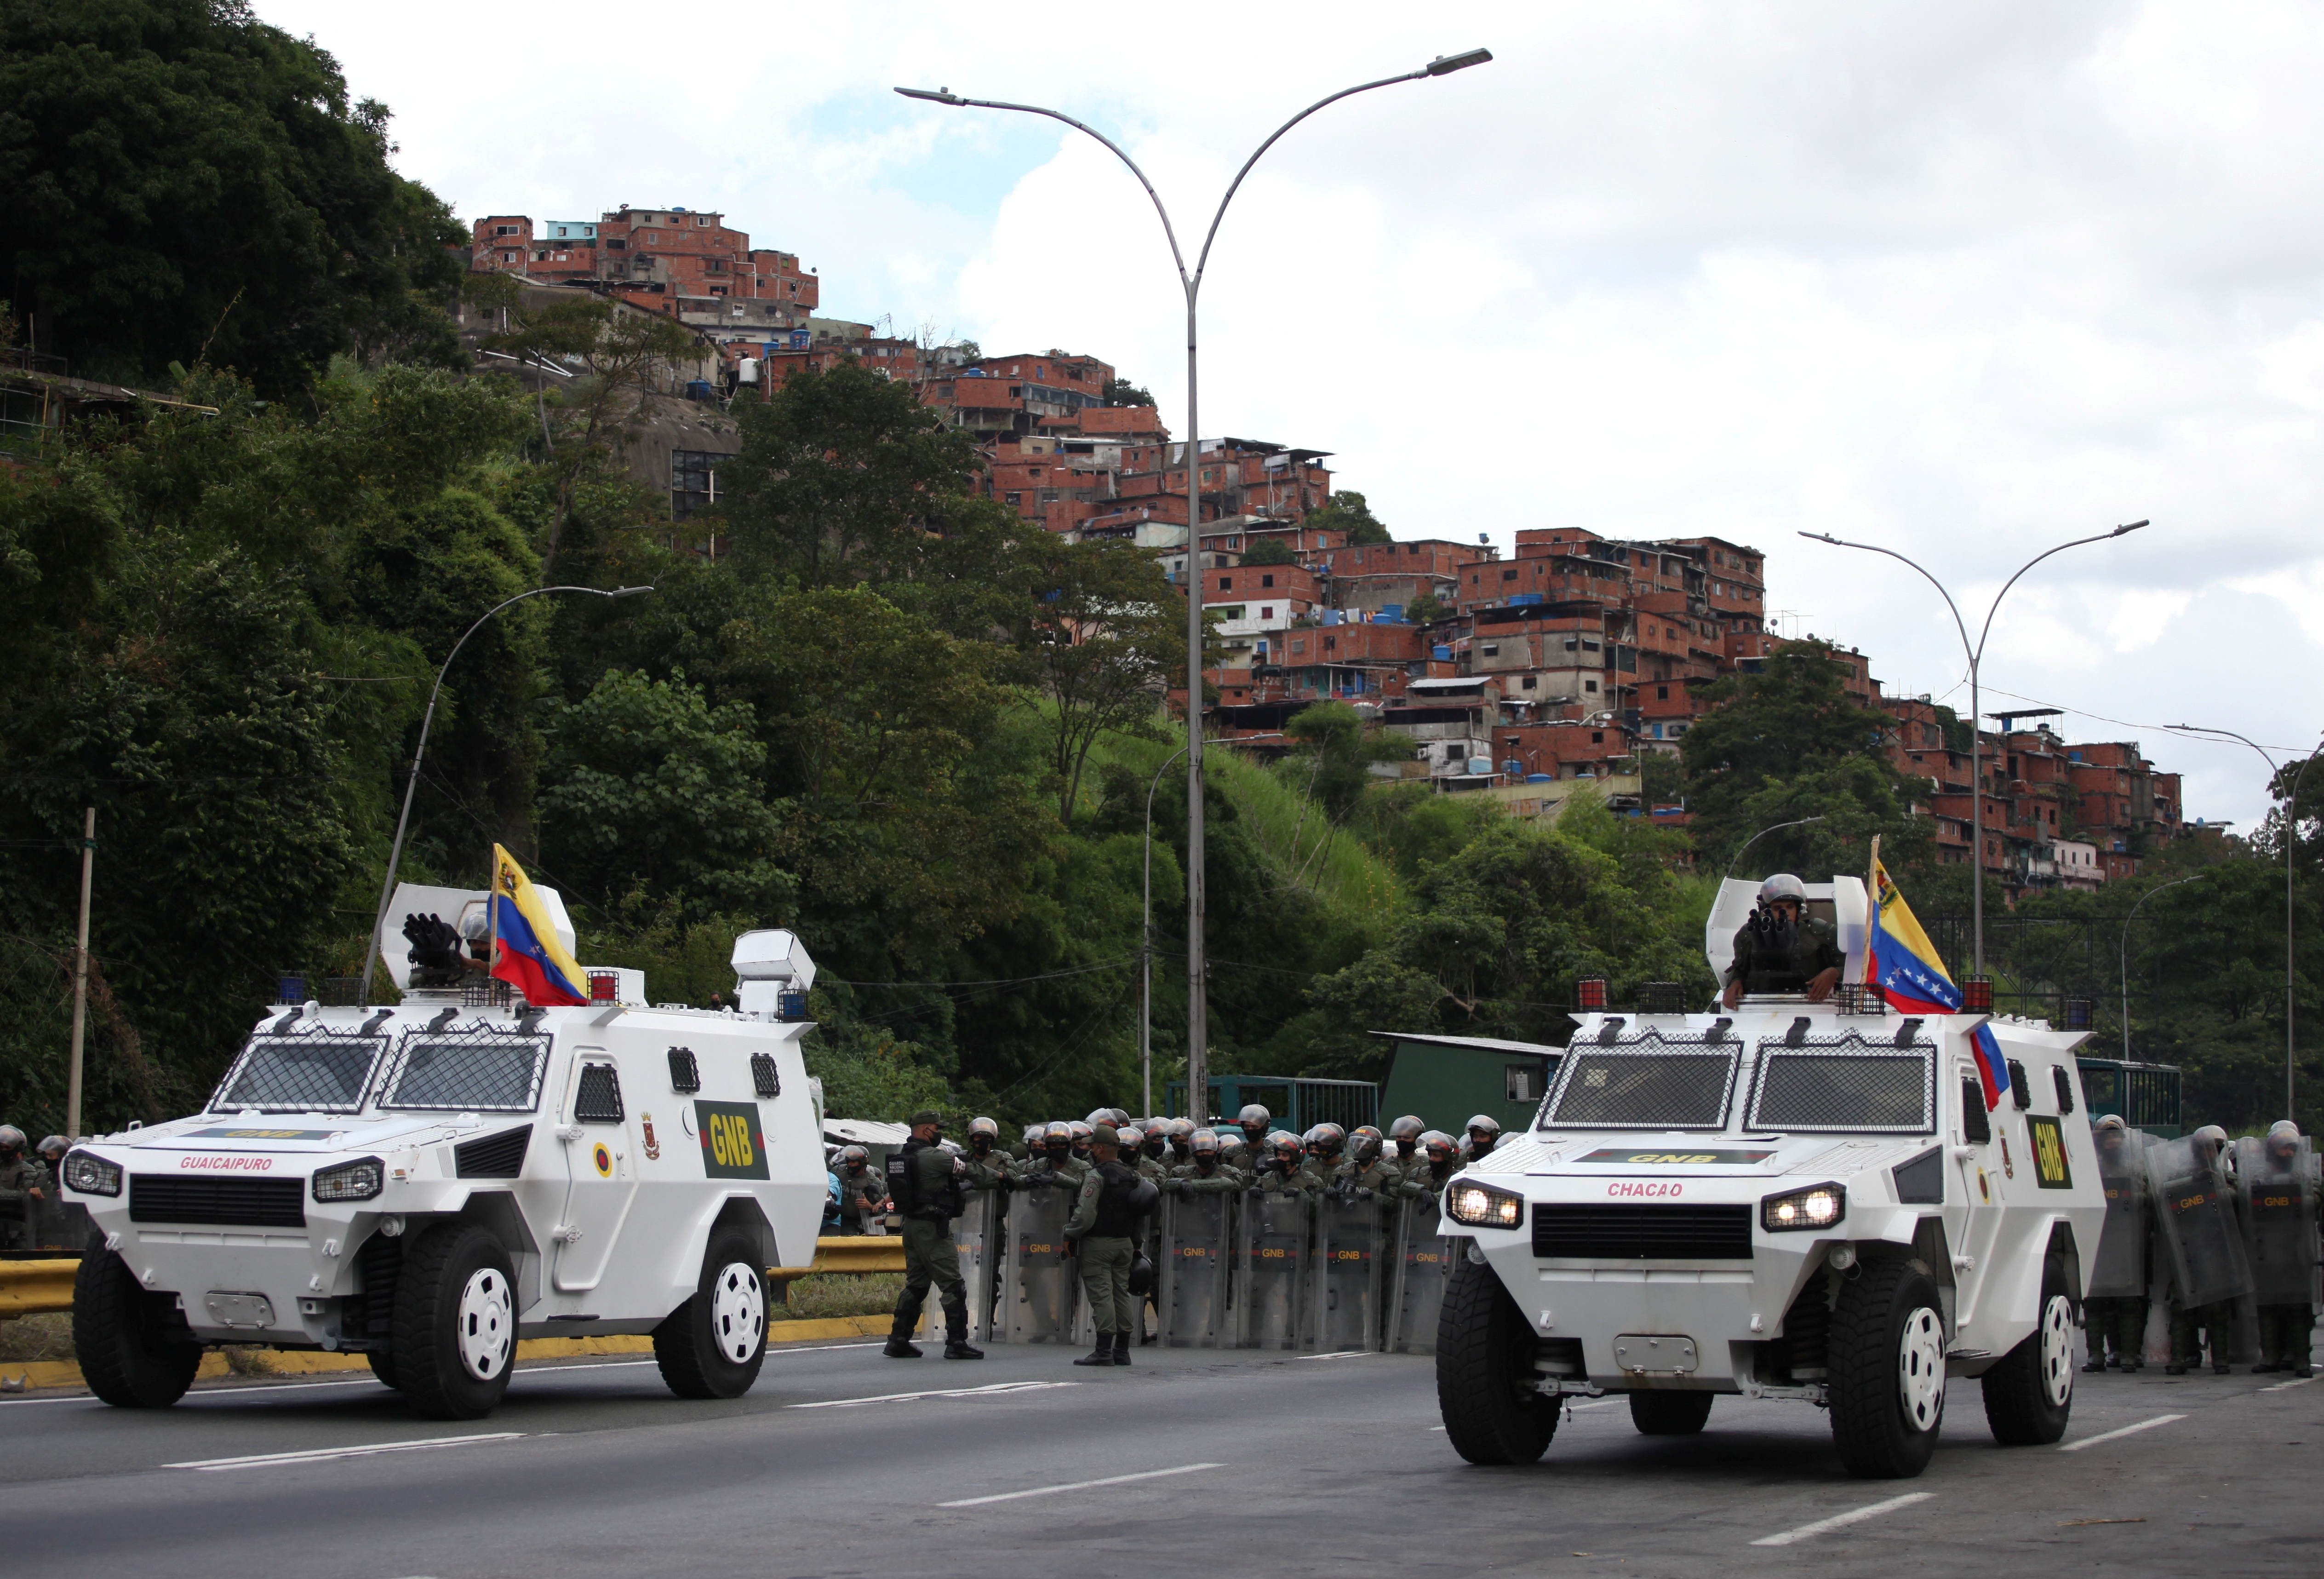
{"x": 526, "y": 953}
{"x": 1902, "y": 961}
{"x": 1992, "y": 1068}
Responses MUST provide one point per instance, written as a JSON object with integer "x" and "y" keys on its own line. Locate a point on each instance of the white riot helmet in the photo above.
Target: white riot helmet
{"x": 1782, "y": 885}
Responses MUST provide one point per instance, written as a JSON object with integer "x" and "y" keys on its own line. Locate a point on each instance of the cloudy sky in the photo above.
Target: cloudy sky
{"x": 1966, "y": 280}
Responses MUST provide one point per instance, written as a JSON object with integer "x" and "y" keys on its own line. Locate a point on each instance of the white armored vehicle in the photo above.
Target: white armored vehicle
{"x": 1789, "y": 1200}
{"x": 426, "y": 1184}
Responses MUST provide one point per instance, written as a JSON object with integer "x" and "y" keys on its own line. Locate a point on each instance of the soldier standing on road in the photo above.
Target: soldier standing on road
{"x": 862, "y": 1193}
{"x": 2116, "y": 1311}
{"x": 1782, "y": 948}
{"x": 928, "y": 1185}
{"x": 1105, "y": 1229}
{"x": 2208, "y": 1311}
{"x": 2276, "y": 1176}
{"x": 24, "y": 1190}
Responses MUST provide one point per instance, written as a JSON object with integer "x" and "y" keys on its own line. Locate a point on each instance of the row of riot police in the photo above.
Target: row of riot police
{"x": 1110, "y": 1228}
{"x": 33, "y": 1213}
{"x": 2225, "y": 1232}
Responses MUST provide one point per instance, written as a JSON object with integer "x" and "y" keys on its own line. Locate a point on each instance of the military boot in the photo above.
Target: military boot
{"x": 1101, "y": 1355}
{"x": 899, "y": 1339}
{"x": 1122, "y": 1348}
{"x": 956, "y": 1343}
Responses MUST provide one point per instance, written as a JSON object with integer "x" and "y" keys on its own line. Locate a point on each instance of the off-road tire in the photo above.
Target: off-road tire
{"x": 121, "y": 1337}
{"x": 692, "y": 1345}
{"x": 1670, "y": 1414}
{"x": 1868, "y": 1330}
{"x": 1484, "y": 1370}
{"x": 382, "y": 1366}
{"x": 426, "y": 1350}
{"x": 2027, "y": 1400}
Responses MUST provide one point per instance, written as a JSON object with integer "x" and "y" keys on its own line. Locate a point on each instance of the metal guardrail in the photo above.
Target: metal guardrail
{"x": 45, "y": 1288}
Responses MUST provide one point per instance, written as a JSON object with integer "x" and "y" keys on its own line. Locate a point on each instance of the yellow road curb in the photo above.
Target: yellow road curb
{"x": 43, "y": 1374}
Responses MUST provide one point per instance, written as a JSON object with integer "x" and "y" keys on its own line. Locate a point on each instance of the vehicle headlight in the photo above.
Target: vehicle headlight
{"x": 87, "y": 1174}
{"x": 1481, "y": 1206}
{"x": 1818, "y": 1208}
{"x": 350, "y": 1181}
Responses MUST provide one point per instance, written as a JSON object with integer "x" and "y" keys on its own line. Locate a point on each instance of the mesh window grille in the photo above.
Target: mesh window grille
{"x": 684, "y": 1073}
{"x": 313, "y": 1071}
{"x": 1846, "y": 1087}
{"x": 478, "y": 1070}
{"x": 765, "y": 1079}
{"x": 598, "y": 1100}
{"x": 1643, "y": 1086}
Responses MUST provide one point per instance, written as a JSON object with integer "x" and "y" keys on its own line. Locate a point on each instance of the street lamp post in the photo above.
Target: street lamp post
{"x": 2291, "y": 843}
{"x": 1975, "y": 654}
{"x": 1146, "y": 952}
{"x": 1197, "y": 996}
{"x": 395, "y": 851}
{"x": 1763, "y": 832}
{"x": 2125, "y": 952}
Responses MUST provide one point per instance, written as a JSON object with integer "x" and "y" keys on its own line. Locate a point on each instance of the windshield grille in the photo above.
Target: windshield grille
{"x": 1644, "y": 1087}
{"x": 480, "y": 1070}
{"x": 1856, "y": 1089}
{"x": 317, "y": 1072}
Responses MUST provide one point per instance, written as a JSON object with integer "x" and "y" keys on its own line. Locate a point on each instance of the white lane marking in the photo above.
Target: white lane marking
{"x": 363, "y": 1450}
{"x": 1853, "y": 1516}
{"x": 1151, "y": 1474}
{"x": 2119, "y": 1431}
{"x": 2296, "y": 1382}
{"x": 905, "y": 1397}
{"x": 1601, "y": 1404}
{"x": 1338, "y": 1355}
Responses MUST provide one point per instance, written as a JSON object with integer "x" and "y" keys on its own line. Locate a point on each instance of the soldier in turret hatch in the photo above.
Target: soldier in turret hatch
{"x": 1783, "y": 949}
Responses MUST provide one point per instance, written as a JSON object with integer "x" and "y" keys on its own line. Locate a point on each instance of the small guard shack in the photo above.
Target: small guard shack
{"x": 1448, "y": 1079}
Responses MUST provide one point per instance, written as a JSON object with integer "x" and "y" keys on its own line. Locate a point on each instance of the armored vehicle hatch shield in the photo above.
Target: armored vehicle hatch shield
{"x": 2195, "y": 1218}
{"x": 2276, "y": 1180}
{"x": 1197, "y": 1236}
{"x": 2120, "y": 1269}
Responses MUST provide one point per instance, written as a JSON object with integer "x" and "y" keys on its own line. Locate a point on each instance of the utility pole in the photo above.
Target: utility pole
{"x": 80, "y": 975}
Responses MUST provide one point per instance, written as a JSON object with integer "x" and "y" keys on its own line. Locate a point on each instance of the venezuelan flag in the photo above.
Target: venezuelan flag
{"x": 1901, "y": 960}
{"x": 526, "y": 953}
{"x": 1992, "y": 1068}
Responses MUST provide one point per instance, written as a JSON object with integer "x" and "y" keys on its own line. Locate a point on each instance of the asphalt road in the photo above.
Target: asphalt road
{"x": 1287, "y": 1465}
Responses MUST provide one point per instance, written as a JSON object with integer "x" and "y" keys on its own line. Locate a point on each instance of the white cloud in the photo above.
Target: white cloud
{"x": 1967, "y": 279}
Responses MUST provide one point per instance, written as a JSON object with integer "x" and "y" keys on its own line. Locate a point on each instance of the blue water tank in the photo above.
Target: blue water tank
{"x": 1443, "y": 653}
{"x": 1332, "y": 616}
{"x": 1513, "y": 767}
{"x": 1392, "y": 612}
{"x": 1541, "y": 779}
{"x": 1523, "y": 597}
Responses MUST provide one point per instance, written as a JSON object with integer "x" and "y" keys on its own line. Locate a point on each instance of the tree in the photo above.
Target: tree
{"x": 1789, "y": 742}
{"x": 1425, "y": 610}
{"x": 1335, "y": 751}
{"x": 648, "y": 790}
{"x": 838, "y": 473}
{"x": 1346, "y": 512}
{"x": 1269, "y": 551}
{"x": 187, "y": 184}
{"x": 1121, "y": 391}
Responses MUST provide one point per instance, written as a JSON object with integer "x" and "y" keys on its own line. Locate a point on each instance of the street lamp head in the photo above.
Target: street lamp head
{"x": 1445, "y": 64}
{"x": 628, "y": 591}
{"x": 2118, "y": 530}
{"x": 933, "y": 96}
{"x": 1822, "y": 537}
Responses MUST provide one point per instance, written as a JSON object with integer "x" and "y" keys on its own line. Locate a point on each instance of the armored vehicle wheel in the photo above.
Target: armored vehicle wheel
{"x": 1485, "y": 1373}
{"x": 1670, "y": 1414}
{"x": 455, "y": 1334}
{"x": 121, "y": 1334}
{"x": 712, "y": 1345}
{"x": 1888, "y": 1370}
{"x": 382, "y": 1366}
{"x": 2030, "y": 1394}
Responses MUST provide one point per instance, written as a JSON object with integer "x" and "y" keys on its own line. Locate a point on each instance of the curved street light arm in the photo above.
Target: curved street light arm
{"x": 2029, "y": 564}
{"x": 1967, "y": 651}
{"x": 412, "y": 785}
{"x": 1763, "y": 832}
{"x": 2123, "y": 951}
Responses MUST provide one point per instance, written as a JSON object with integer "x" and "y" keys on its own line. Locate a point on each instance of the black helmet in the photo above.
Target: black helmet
{"x": 1438, "y": 1145}
{"x": 1204, "y": 1144}
{"x": 1366, "y": 1141}
{"x": 855, "y": 1157}
{"x": 1129, "y": 1138}
{"x": 1158, "y": 1139}
{"x": 1284, "y": 1144}
{"x": 1484, "y": 1133}
{"x": 1079, "y": 1132}
{"x": 1252, "y": 1117}
{"x": 1032, "y": 1136}
{"x": 1058, "y": 1136}
{"x": 1325, "y": 1139}
{"x": 12, "y": 1139}
{"x": 983, "y": 1135}
{"x": 1408, "y": 1128}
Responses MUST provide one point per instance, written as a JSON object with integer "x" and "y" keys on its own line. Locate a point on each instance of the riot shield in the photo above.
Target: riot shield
{"x": 2195, "y": 1219}
{"x": 2279, "y": 1213}
{"x": 1347, "y": 1273}
{"x": 1424, "y": 1260}
{"x": 1271, "y": 1276}
{"x": 2120, "y": 1270}
{"x": 1191, "y": 1301}
{"x": 1037, "y": 1281}
{"x": 975, "y": 1235}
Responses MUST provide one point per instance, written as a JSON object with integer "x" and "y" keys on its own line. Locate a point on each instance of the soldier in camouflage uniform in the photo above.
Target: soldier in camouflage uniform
{"x": 1366, "y": 1174}
{"x": 863, "y": 1192}
{"x": 1205, "y": 1175}
{"x": 931, "y": 1181}
{"x": 1405, "y": 1135}
{"x": 989, "y": 1166}
{"x": 1438, "y": 1163}
{"x": 1105, "y": 1228}
{"x": 24, "y": 1189}
{"x": 1783, "y": 949}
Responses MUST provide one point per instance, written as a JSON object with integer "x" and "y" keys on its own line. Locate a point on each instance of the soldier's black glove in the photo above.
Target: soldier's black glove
{"x": 1362, "y": 1193}
{"x": 1176, "y": 1187}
